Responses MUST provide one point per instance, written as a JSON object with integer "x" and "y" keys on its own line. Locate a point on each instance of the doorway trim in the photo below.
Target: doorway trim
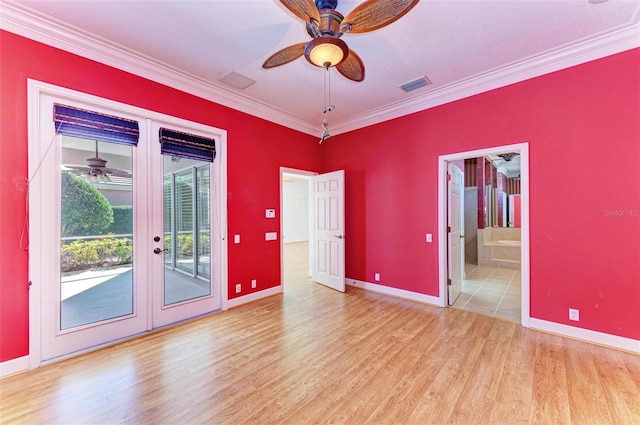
{"x": 305, "y": 173}
{"x": 36, "y": 91}
{"x": 443, "y": 160}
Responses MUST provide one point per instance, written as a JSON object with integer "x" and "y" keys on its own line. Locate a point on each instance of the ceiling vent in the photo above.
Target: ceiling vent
{"x": 415, "y": 84}
{"x": 237, "y": 80}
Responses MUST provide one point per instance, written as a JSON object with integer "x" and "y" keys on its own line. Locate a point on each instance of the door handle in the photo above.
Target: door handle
{"x": 339, "y": 236}
{"x": 157, "y": 250}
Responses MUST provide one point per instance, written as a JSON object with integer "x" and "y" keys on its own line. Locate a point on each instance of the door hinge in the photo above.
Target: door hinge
{"x": 448, "y": 282}
{"x": 448, "y": 177}
{"x": 448, "y": 229}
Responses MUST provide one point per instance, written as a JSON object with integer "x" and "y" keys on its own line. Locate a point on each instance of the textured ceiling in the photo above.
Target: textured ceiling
{"x": 462, "y": 47}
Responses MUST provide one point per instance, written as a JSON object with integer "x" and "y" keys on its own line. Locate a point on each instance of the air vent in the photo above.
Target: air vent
{"x": 237, "y": 80}
{"x": 415, "y": 84}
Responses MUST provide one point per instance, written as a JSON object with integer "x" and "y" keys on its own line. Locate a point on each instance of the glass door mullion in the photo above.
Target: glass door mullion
{"x": 194, "y": 221}
{"x": 174, "y": 233}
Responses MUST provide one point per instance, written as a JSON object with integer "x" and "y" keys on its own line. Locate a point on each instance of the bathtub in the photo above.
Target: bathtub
{"x": 507, "y": 242}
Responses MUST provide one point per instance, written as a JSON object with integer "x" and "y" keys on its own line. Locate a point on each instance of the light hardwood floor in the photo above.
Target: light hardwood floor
{"x": 314, "y": 355}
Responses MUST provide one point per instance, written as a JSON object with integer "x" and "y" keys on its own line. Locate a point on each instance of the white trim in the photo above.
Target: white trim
{"x": 617, "y": 41}
{"x": 23, "y": 21}
{"x": 523, "y": 148}
{"x": 587, "y": 335}
{"x": 394, "y": 292}
{"x": 255, "y": 296}
{"x": 13, "y": 366}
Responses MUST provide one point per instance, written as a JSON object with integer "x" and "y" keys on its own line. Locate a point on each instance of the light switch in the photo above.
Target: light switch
{"x": 271, "y": 236}
{"x": 236, "y": 238}
{"x": 270, "y": 213}
{"x": 429, "y": 237}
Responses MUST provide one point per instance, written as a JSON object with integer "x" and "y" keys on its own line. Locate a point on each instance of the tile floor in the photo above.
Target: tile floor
{"x": 491, "y": 291}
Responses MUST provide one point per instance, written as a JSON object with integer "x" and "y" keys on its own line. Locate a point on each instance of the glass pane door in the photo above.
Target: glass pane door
{"x": 187, "y": 229}
{"x": 96, "y": 233}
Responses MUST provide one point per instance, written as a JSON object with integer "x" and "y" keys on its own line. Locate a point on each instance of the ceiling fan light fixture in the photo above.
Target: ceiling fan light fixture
{"x": 326, "y": 51}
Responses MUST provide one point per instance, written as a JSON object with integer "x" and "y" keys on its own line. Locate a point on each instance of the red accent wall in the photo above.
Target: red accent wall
{"x": 573, "y": 117}
{"x": 256, "y": 150}
{"x": 585, "y": 225}
{"x": 513, "y": 186}
{"x": 470, "y": 177}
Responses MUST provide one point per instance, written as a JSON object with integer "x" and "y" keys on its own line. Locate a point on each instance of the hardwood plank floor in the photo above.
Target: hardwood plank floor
{"x": 316, "y": 356}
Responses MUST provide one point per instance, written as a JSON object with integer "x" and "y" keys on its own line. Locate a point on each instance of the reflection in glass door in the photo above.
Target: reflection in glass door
{"x": 96, "y": 234}
{"x": 187, "y": 229}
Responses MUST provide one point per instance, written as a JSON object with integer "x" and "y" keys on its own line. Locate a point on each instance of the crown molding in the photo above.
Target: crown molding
{"x": 25, "y": 22}
{"x": 586, "y": 50}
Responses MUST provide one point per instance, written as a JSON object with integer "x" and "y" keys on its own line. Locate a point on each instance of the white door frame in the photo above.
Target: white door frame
{"x": 523, "y": 149}
{"x": 36, "y": 90}
{"x": 305, "y": 173}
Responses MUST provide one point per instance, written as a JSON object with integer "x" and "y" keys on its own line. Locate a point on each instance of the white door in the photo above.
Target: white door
{"x": 183, "y": 228}
{"x": 93, "y": 279}
{"x": 455, "y": 225}
{"x": 99, "y": 284}
{"x": 328, "y": 238}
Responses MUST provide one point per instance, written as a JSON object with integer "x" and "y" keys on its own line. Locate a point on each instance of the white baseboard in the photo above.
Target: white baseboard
{"x": 394, "y": 292}
{"x": 254, "y": 296}
{"x": 10, "y": 367}
{"x": 594, "y": 337}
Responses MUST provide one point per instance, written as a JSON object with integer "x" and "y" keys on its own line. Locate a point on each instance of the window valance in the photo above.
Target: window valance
{"x": 72, "y": 121}
{"x": 187, "y": 145}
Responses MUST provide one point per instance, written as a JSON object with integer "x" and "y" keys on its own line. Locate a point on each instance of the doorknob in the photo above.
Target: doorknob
{"x": 157, "y": 250}
{"x": 339, "y": 236}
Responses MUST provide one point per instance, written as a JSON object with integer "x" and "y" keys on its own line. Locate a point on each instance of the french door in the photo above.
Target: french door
{"x": 182, "y": 230}
{"x": 123, "y": 238}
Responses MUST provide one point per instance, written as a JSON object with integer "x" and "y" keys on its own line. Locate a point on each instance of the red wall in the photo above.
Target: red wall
{"x": 256, "y": 150}
{"x": 574, "y": 118}
{"x": 584, "y": 254}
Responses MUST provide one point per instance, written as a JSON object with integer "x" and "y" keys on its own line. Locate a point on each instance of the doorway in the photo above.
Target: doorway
{"x": 126, "y": 231}
{"x": 326, "y": 219}
{"x": 489, "y": 285}
{"x": 296, "y": 226}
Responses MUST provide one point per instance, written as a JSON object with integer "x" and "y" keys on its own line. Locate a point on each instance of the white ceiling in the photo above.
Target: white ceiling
{"x": 462, "y": 47}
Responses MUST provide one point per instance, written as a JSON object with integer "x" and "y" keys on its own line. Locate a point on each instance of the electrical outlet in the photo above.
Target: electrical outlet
{"x": 574, "y": 314}
{"x": 238, "y": 288}
{"x": 254, "y": 283}
{"x": 377, "y": 277}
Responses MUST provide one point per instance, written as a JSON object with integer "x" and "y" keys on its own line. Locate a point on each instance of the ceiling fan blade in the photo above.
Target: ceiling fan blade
{"x": 114, "y": 172}
{"x": 285, "y": 55}
{"x": 352, "y": 67}
{"x": 375, "y": 14}
{"x": 303, "y": 9}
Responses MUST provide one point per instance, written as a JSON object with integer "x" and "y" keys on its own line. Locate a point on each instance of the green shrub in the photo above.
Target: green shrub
{"x": 85, "y": 211}
{"x": 86, "y": 254}
{"x": 122, "y": 220}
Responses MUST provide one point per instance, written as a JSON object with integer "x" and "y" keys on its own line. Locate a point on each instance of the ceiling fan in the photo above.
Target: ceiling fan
{"x": 325, "y": 25}
{"x": 97, "y": 170}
